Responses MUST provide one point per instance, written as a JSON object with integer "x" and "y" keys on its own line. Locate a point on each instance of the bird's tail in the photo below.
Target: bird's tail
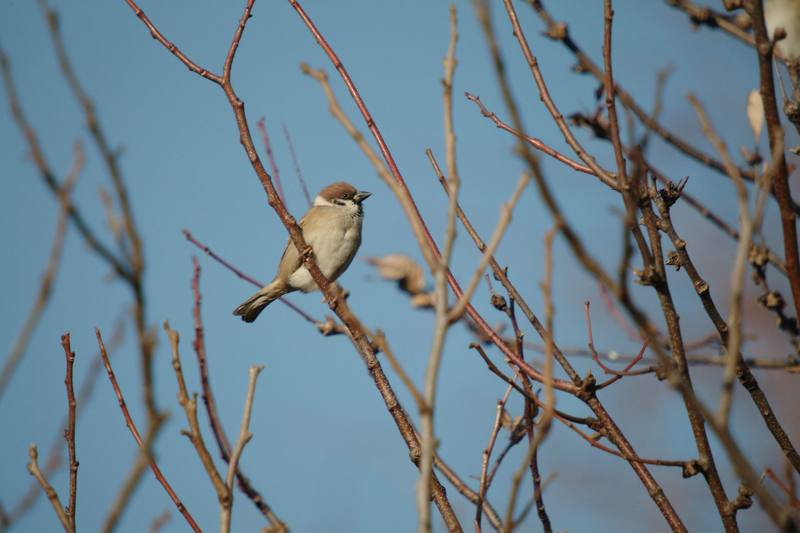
{"x": 252, "y": 307}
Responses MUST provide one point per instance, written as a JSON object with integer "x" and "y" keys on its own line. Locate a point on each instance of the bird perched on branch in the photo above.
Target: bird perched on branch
{"x": 332, "y": 227}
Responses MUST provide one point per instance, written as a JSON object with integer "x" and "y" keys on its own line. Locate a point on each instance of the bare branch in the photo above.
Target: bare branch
{"x": 46, "y": 284}
{"x": 211, "y": 406}
{"x": 241, "y": 441}
{"x": 135, "y": 432}
{"x": 69, "y": 432}
{"x": 297, "y": 171}
{"x": 52, "y": 495}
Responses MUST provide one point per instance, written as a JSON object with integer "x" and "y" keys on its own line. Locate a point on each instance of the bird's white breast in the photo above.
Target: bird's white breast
{"x": 335, "y": 240}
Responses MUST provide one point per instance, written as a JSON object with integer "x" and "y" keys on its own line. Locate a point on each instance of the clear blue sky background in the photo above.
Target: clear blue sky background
{"x": 325, "y": 453}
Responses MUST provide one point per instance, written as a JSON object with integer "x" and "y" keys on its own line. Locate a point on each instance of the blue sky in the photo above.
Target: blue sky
{"x": 325, "y": 453}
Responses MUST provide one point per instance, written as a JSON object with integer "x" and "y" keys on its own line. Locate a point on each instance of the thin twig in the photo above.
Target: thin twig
{"x": 54, "y": 459}
{"x": 195, "y": 436}
{"x": 262, "y": 128}
{"x": 616, "y": 373}
{"x": 545, "y": 421}
{"x": 560, "y": 32}
{"x": 69, "y": 432}
{"x": 296, "y": 163}
{"x": 52, "y": 495}
{"x": 252, "y": 281}
{"x": 160, "y": 521}
{"x": 737, "y": 272}
{"x": 693, "y": 202}
{"x": 570, "y": 421}
{"x": 241, "y": 441}
{"x": 399, "y": 186}
{"x": 486, "y": 455}
{"x": 544, "y": 95}
{"x": 221, "y": 438}
{"x": 50, "y": 179}
{"x": 710, "y": 18}
{"x": 442, "y": 321}
{"x": 611, "y": 106}
{"x": 135, "y": 432}
{"x": 380, "y": 340}
{"x": 46, "y": 284}
{"x": 775, "y": 132}
{"x": 130, "y": 250}
{"x": 793, "y": 501}
{"x": 506, "y": 211}
{"x": 614, "y": 433}
{"x": 516, "y": 481}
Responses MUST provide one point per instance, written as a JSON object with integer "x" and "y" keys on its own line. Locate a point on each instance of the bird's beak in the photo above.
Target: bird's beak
{"x": 361, "y": 196}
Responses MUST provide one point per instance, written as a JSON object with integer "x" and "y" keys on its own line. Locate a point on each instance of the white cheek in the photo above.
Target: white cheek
{"x": 320, "y": 201}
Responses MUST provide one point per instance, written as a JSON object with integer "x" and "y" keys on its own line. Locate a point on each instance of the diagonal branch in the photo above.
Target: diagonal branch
{"x": 211, "y": 405}
{"x": 46, "y": 285}
{"x": 137, "y": 437}
{"x": 338, "y": 305}
{"x": 39, "y": 159}
{"x": 241, "y": 441}
{"x": 52, "y": 495}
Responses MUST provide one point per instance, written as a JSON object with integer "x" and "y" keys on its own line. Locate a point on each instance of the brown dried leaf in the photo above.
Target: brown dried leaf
{"x": 400, "y": 268}
{"x": 424, "y": 300}
{"x": 755, "y": 113}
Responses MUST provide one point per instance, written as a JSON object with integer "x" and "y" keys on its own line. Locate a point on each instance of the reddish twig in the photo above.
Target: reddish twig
{"x": 262, "y": 128}
{"x": 174, "y": 50}
{"x": 209, "y": 252}
{"x": 130, "y": 255}
{"x": 698, "y": 206}
{"x": 608, "y": 370}
{"x": 531, "y": 408}
{"x": 793, "y": 501}
{"x": 209, "y": 401}
{"x": 635, "y": 458}
{"x": 54, "y": 455}
{"x": 790, "y": 480}
{"x": 619, "y": 374}
{"x": 296, "y": 163}
{"x": 569, "y": 420}
{"x": 486, "y": 455}
{"x": 613, "y": 310}
{"x": 613, "y": 432}
{"x": 69, "y": 432}
{"x": 135, "y": 432}
{"x": 407, "y": 199}
{"x": 353, "y": 326}
{"x": 241, "y": 275}
{"x": 533, "y": 141}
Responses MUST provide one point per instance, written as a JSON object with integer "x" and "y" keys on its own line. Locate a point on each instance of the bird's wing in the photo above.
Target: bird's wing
{"x": 291, "y": 260}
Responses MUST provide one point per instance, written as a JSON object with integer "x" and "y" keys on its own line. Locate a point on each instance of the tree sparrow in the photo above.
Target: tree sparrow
{"x": 332, "y": 227}
{"x": 784, "y": 14}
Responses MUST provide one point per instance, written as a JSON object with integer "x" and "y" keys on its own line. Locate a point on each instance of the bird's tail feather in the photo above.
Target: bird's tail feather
{"x": 252, "y": 307}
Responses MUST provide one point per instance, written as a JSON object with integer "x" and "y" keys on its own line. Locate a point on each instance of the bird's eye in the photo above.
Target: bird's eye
{"x": 346, "y": 196}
